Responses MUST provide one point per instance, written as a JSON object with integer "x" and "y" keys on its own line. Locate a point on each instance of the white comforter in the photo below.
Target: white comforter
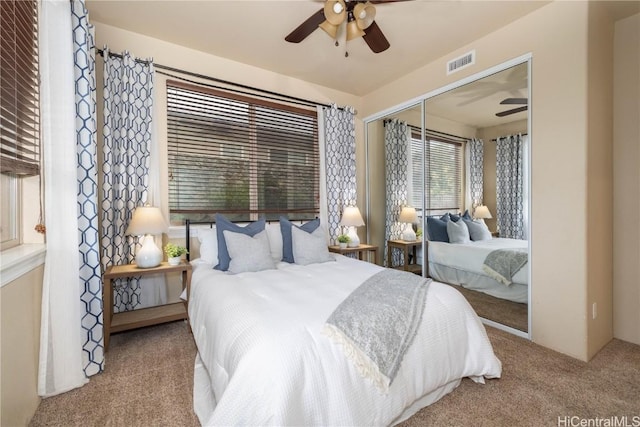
{"x": 263, "y": 361}
{"x": 470, "y": 256}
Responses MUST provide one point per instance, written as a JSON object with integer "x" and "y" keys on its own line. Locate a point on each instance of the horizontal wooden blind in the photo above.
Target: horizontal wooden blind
{"x": 443, "y": 174}
{"x": 19, "y": 94}
{"x": 240, "y": 156}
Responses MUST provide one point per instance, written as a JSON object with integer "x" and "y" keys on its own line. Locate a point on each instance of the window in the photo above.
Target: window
{"x": 239, "y": 156}
{"x": 19, "y": 109}
{"x": 443, "y": 174}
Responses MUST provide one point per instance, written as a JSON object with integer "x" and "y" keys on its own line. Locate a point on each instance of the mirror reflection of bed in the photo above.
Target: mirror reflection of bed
{"x": 491, "y": 267}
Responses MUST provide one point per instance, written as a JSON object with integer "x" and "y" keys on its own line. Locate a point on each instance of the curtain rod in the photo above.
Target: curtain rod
{"x": 496, "y": 140}
{"x": 282, "y": 97}
{"x": 439, "y": 133}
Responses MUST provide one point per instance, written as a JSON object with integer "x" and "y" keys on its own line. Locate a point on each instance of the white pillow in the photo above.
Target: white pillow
{"x": 248, "y": 253}
{"x": 208, "y": 245}
{"x": 275, "y": 241}
{"x": 478, "y": 230}
{"x": 310, "y": 248}
{"x": 458, "y": 232}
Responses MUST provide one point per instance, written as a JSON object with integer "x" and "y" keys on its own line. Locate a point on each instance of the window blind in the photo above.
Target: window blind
{"x": 19, "y": 105}
{"x": 442, "y": 174}
{"x": 239, "y": 156}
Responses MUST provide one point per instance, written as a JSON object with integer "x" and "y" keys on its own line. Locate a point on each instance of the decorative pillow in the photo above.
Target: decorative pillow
{"x": 437, "y": 228}
{"x": 208, "y": 245}
{"x": 456, "y": 217}
{"x": 222, "y": 225}
{"x": 248, "y": 253}
{"x": 275, "y": 241}
{"x": 458, "y": 232}
{"x": 285, "y": 228}
{"x": 478, "y": 230}
{"x": 310, "y": 248}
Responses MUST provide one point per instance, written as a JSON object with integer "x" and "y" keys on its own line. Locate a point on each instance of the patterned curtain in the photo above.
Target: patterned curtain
{"x": 476, "y": 179}
{"x": 510, "y": 186}
{"x": 90, "y": 275}
{"x": 340, "y": 164}
{"x": 397, "y": 138}
{"x": 128, "y": 105}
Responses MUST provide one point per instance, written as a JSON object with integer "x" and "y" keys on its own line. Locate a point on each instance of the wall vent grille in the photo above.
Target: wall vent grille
{"x": 461, "y": 62}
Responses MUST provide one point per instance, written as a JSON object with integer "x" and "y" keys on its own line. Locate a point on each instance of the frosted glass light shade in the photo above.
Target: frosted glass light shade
{"x": 482, "y": 212}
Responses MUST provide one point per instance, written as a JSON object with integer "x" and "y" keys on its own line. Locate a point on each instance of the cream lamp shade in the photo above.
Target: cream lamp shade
{"x": 352, "y": 218}
{"x": 409, "y": 216}
{"x": 482, "y": 212}
{"x": 147, "y": 221}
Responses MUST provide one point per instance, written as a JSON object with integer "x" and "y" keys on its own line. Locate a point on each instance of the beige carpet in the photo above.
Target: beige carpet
{"x": 509, "y": 313}
{"x": 148, "y": 382}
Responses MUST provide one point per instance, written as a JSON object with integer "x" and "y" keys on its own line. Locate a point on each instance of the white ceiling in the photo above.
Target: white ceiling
{"x": 253, "y": 32}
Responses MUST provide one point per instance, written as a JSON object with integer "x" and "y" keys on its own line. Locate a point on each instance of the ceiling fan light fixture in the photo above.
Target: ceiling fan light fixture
{"x": 353, "y": 31}
{"x": 335, "y": 11}
{"x": 330, "y": 29}
{"x": 364, "y": 13}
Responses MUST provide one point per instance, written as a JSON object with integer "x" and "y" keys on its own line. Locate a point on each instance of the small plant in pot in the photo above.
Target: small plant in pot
{"x": 174, "y": 253}
{"x": 343, "y": 239}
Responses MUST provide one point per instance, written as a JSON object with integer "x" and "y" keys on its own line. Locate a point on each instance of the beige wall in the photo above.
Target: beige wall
{"x": 20, "y": 302}
{"x": 552, "y": 34}
{"x": 626, "y": 180}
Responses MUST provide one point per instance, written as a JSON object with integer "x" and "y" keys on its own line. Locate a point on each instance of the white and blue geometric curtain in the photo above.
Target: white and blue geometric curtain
{"x": 510, "y": 188}
{"x": 397, "y": 140}
{"x": 89, "y": 244}
{"x": 128, "y": 106}
{"x": 475, "y": 176}
{"x": 339, "y": 164}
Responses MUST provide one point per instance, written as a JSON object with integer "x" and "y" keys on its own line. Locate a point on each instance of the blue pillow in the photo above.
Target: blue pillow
{"x": 466, "y": 215}
{"x": 456, "y": 218}
{"x": 222, "y": 224}
{"x": 437, "y": 228}
{"x": 287, "y": 240}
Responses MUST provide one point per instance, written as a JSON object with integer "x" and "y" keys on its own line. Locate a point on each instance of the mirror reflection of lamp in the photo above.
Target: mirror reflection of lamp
{"x": 482, "y": 213}
{"x": 409, "y": 216}
{"x": 352, "y": 218}
{"x": 147, "y": 221}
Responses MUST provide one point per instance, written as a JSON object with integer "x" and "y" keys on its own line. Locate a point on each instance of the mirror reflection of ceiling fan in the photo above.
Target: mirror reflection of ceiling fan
{"x": 513, "y": 101}
{"x": 357, "y": 15}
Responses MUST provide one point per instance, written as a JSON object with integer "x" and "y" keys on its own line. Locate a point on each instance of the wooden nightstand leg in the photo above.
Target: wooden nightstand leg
{"x": 107, "y": 311}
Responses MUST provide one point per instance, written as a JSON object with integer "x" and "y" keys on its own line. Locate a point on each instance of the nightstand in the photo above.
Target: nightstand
{"x": 117, "y": 322}
{"x": 405, "y": 246}
{"x": 360, "y": 250}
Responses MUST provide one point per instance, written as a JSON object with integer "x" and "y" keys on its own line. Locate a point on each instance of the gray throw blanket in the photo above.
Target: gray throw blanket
{"x": 378, "y": 321}
{"x": 503, "y": 264}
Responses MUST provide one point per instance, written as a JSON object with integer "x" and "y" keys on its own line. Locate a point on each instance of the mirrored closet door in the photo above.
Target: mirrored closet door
{"x": 456, "y": 165}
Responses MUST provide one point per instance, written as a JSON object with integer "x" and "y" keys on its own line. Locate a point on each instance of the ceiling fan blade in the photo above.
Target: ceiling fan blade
{"x": 513, "y": 111}
{"x": 306, "y": 28}
{"x": 375, "y": 39}
{"x": 515, "y": 101}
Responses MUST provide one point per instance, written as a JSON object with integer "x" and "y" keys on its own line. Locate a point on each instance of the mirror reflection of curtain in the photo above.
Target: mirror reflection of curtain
{"x": 339, "y": 171}
{"x": 397, "y": 139}
{"x": 475, "y": 177}
{"x": 510, "y": 188}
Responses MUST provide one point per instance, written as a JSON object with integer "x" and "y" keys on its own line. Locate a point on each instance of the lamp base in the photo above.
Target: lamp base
{"x": 149, "y": 255}
{"x": 354, "y": 241}
{"x": 408, "y": 234}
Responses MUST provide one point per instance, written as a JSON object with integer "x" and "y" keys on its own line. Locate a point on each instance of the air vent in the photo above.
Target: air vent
{"x": 461, "y": 62}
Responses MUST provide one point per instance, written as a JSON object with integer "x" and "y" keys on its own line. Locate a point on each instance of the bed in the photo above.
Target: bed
{"x": 462, "y": 264}
{"x": 264, "y": 360}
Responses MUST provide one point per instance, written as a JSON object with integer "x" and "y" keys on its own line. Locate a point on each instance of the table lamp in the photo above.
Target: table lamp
{"x": 482, "y": 213}
{"x": 409, "y": 216}
{"x": 147, "y": 221}
{"x": 351, "y": 218}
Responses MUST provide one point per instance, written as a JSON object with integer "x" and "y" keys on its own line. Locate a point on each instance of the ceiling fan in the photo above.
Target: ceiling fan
{"x": 358, "y": 15}
{"x": 513, "y": 101}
